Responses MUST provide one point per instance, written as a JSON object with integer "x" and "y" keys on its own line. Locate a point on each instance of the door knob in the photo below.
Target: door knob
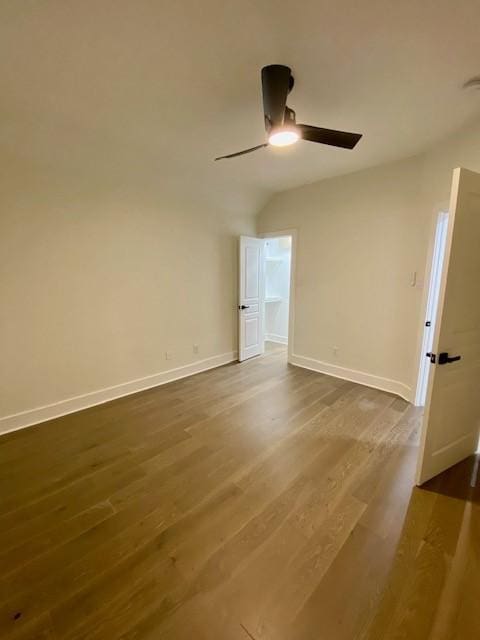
{"x": 244, "y": 306}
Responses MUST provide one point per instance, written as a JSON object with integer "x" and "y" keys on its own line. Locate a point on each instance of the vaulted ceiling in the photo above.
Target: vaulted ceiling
{"x": 151, "y": 91}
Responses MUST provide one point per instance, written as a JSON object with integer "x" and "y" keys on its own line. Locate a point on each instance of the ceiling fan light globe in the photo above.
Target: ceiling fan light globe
{"x": 283, "y": 137}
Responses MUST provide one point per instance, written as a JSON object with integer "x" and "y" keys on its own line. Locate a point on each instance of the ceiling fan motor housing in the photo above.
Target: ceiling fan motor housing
{"x": 290, "y": 117}
{"x": 289, "y": 122}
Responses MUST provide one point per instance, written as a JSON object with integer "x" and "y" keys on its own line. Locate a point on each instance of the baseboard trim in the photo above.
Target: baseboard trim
{"x": 360, "y": 377}
{"x": 77, "y": 403}
{"x": 273, "y": 337}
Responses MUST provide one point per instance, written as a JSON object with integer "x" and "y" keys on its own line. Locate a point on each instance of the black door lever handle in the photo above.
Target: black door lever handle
{"x": 244, "y": 306}
{"x": 444, "y": 358}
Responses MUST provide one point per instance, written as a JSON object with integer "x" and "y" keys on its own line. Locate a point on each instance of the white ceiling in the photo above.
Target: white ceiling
{"x": 153, "y": 90}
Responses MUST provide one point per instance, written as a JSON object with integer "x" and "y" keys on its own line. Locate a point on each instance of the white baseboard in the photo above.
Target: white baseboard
{"x": 360, "y": 377}
{"x": 273, "y": 337}
{"x": 77, "y": 403}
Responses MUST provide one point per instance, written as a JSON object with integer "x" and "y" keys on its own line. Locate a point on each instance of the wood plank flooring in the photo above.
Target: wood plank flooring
{"x": 254, "y": 501}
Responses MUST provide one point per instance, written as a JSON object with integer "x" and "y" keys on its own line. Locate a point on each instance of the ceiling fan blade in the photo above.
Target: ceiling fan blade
{"x": 329, "y": 136}
{"x": 276, "y": 83}
{"x": 242, "y": 153}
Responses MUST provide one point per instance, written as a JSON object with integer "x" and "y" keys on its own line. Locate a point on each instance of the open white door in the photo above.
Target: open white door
{"x": 251, "y": 294}
{"x": 451, "y": 422}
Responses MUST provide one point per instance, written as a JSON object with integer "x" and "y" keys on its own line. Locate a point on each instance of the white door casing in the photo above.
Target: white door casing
{"x": 451, "y": 422}
{"x": 438, "y": 260}
{"x": 251, "y": 297}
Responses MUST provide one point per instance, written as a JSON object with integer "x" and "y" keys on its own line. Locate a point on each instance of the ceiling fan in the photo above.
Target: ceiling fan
{"x": 280, "y": 123}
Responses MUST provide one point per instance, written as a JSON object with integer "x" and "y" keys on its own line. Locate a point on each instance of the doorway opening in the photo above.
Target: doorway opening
{"x": 278, "y": 259}
{"x": 438, "y": 260}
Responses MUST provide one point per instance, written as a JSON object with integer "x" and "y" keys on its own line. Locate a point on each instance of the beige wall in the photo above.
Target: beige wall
{"x": 98, "y": 282}
{"x": 99, "y": 278}
{"x": 360, "y": 238}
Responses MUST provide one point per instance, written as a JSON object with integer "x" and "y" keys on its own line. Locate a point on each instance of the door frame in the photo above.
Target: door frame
{"x": 293, "y": 233}
{"x": 440, "y": 206}
{"x": 433, "y": 278}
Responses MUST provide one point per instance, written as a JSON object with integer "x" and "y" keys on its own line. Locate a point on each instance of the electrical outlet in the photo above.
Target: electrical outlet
{"x": 168, "y": 355}
{"x": 196, "y": 348}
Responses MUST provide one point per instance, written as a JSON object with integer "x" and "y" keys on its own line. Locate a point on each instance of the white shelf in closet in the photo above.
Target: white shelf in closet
{"x": 273, "y": 299}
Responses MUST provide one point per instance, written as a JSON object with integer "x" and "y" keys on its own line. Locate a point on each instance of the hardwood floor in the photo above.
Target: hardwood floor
{"x": 257, "y": 500}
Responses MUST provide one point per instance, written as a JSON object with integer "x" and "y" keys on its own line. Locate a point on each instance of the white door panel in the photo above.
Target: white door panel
{"x": 251, "y": 294}
{"x": 452, "y": 412}
{"x": 252, "y": 332}
{"x": 252, "y": 272}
